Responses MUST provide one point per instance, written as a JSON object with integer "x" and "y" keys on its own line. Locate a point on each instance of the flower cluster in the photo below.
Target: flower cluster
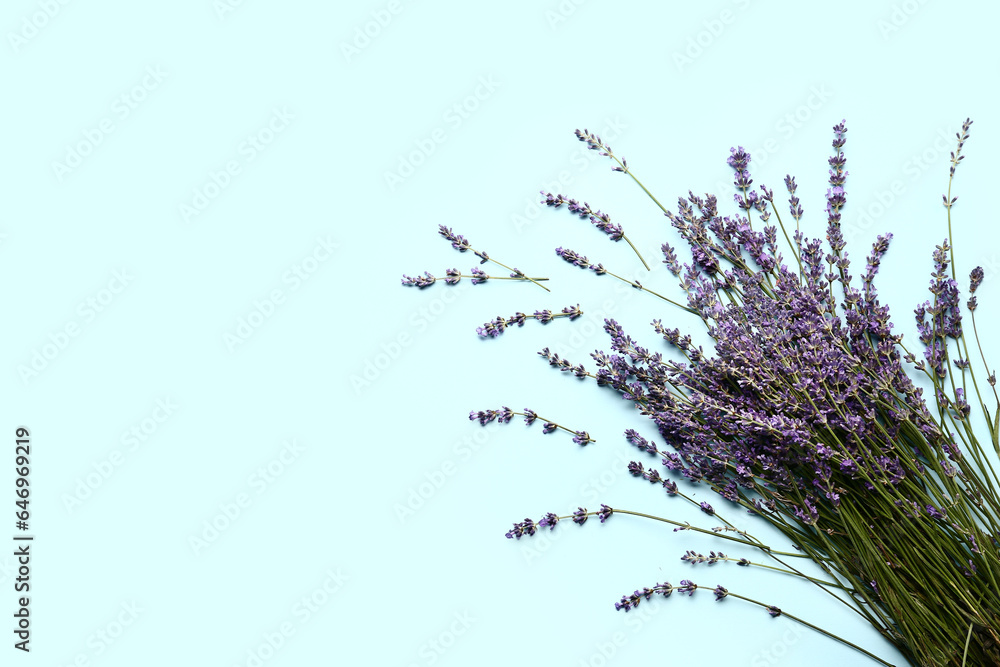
{"x": 581, "y": 261}
{"x": 462, "y": 244}
{"x": 599, "y": 219}
{"x": 453, "y": 276}
{"x": 505, "y": 414}
{"x": 550, "y": 519}
{"x": 495, "y": 327}
{"x": 666, "y": 589}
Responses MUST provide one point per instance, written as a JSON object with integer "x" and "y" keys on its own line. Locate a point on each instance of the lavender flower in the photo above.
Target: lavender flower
{"x": 599, "y": 219}
{"x": 957, "y": 156}
{"x": 640, "y": 442}
{"x": 453, "y": 276}
{"x": 670, "y": 259}
{"x": 934, "y": 513}
{"x": 794, "y": 207}
{"x": 526, "y": 527}
{"x": 497, "y": 326}
{"x": 580, "y": 260}
{"x": 595, "y": 143}
{"x": 739, "y": 160}
{"x": 460, "y": 243}
{"x": 420, "y": 281}
{"x": 696, "y": 558}
{"x": 484, "y": 417}
{"x": 975, "y": 279}
{"x": 572, "y": 312}
{"x": 605, "y": 513}
{"x": 492, "y": 328}
{"x": 564, "y": 364}
{"x": 505, "y": 414}
{"x": 580, "y": 516}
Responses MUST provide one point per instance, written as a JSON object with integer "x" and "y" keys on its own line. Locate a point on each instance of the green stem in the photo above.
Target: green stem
{"x": 813, "y": 627}
{"x": 641, "y": 259}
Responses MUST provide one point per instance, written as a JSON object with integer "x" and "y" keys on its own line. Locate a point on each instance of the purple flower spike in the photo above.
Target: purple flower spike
{"x": 580, "y": 516}
{"x": 530, "y": 416}
{"x": 670, "y": 259}
{"x": 687, "y": 587}
{"x": 603, "y": 222}
{"x": 961, "y": 405}
{"x": 573, "y": 258}
{"x": 605, "y": 513}
{"x": 420, "y": 281}
{"x": 478, "y": 276}
{"x": 549, "y": 427}
{"x": 599, "y": 219}
{"x": 572, "y": 312}
{"x": 976, "y": 279}
{"x": 493, "y": 328}
{"x": 581, "y": 437}
{"x": 773, "y": 611}
{"x": 484, "y": 416}
{"x": 543, "y": 316}
{"x": 794, "y": 207}
{"x": 707, "y": 509}
{"x": 738, "y": 158}
{"x": 933, "y": 512}
{"x": 549, "y": 520}
{"x": 720, "y": 593}
{"x": 640, "y": 442}
{"x": 458, "y": 242}
{"x": 526, "y": 527}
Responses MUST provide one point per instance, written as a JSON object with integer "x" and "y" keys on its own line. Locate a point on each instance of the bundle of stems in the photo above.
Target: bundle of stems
{"x": 806, "y": 415}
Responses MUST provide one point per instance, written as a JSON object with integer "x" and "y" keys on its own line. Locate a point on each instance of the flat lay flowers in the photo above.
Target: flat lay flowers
{"x": 808, "y": 412}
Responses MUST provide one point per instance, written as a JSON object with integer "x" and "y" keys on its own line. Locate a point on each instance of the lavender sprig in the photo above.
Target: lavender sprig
{"x": 495, "y": 327}
{"x": 453, "y": 276}
{"x": 600, "y": 219}
{"x": 582, "y": 262}
{"x": 505, "y": 414}
{"x": 460, "y": 243}
{"x": 666, "y": 589}
{"x": 595, "y": 143}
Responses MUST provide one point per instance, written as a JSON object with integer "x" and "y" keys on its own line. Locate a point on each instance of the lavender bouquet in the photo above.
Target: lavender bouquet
{"x": 806, "y": 415}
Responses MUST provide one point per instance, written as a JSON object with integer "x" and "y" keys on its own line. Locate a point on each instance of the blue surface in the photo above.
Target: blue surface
{"x": 251, "y": 444}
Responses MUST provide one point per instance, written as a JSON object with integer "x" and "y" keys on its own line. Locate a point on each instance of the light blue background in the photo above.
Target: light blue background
{"x": 439, "y": 585}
